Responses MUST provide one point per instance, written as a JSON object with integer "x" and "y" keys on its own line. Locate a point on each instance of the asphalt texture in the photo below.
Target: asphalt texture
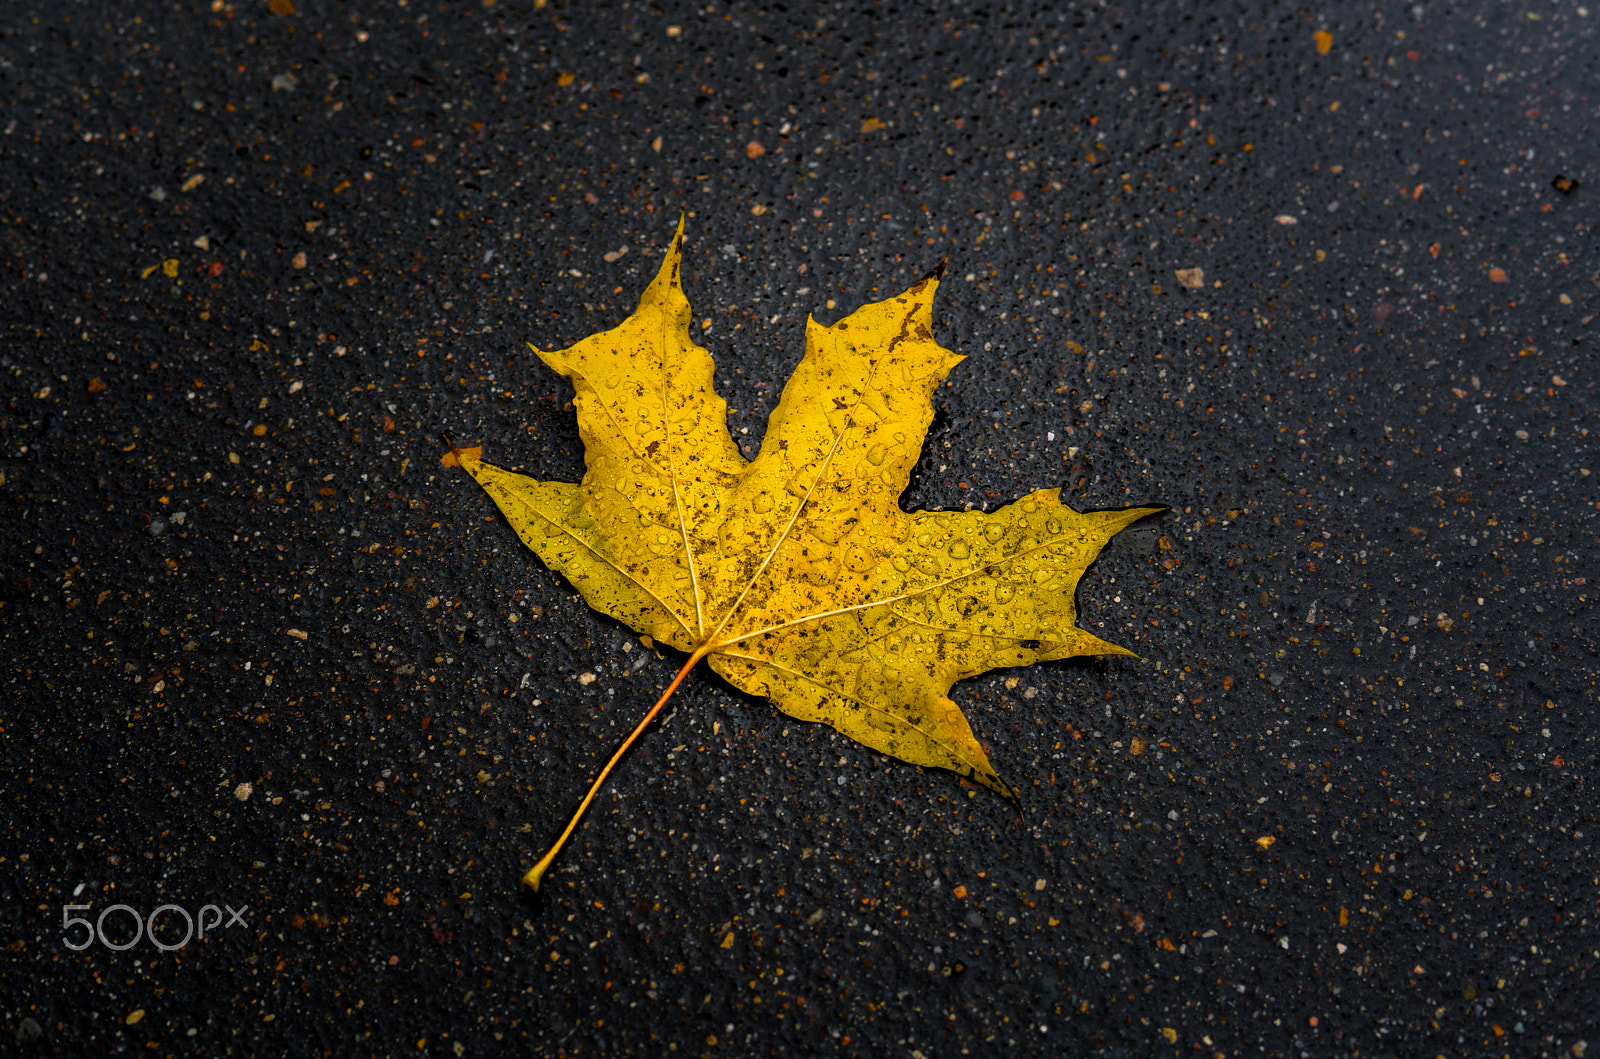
{"x": 1328, "y": 297}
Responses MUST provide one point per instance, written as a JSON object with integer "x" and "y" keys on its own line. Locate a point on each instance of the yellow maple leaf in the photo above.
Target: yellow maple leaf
{"x": 796, "y": 575}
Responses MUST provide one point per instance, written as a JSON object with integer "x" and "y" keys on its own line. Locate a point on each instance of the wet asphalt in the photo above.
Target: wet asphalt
{"x": 1323, "y": 282}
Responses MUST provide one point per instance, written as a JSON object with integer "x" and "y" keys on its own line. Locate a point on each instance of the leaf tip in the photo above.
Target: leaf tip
{"x": 1003, "y": 789}
{"x": 454, "y": 457}
{"x": 933, "y": 275}
{"x": 1106, "y": 647}
{"x": 667, "y": 277}
{"x": 1115, "y": 520}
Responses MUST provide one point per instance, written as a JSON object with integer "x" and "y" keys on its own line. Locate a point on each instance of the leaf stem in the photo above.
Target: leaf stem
{"x": 536, "y": 873}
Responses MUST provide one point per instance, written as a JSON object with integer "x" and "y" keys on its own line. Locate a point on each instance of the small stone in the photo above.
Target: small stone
{"x": 244, "y": 791}
{"x": 1193, "y": 278}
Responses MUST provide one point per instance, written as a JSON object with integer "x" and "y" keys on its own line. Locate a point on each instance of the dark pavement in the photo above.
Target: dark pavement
{"x": 1329, "y": 297}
